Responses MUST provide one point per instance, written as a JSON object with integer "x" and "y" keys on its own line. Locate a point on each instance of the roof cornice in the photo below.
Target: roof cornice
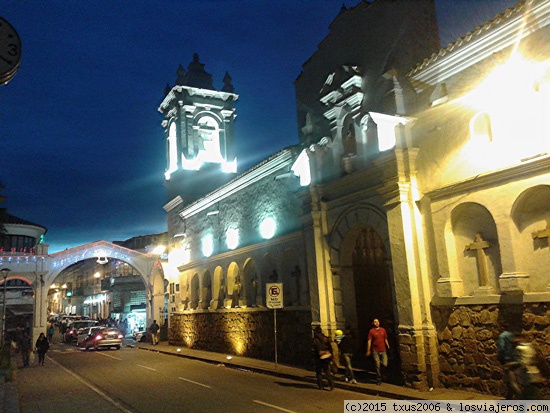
{"x": 493, "y": 36}
{"x": 194, "y": 91}
{"x": 275, "y": 163}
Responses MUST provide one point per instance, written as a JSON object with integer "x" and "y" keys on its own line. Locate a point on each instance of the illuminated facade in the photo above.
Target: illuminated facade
{"x": 198, "y": 123}
{"x": 418, "y": 194}
{"x": 22, "y": 239}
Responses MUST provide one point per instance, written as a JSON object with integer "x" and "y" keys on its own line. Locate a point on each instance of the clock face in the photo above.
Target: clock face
{"x": 10, "y": 51}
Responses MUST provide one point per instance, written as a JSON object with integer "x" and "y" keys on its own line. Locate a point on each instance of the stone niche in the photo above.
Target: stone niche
{"x": 248, "y": 333}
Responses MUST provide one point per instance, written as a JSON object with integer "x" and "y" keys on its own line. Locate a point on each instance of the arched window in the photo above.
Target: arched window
{"x": 209, "y": 140}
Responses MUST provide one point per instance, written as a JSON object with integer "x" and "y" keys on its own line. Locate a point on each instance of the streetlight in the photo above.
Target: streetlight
{"x": 5, "y": 272}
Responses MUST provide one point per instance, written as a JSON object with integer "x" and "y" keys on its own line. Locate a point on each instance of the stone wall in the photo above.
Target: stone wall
{"x": 467, "y": 342}
{"x": 248, "y": 333}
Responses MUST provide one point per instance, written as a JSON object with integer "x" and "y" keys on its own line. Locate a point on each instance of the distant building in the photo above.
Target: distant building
{"x": 22, "y": 240}
{"x": 418, "y": 194}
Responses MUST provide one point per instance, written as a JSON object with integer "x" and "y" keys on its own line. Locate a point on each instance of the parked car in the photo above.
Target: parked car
{"x": 104, "y": 337}
{"x": 140, "y": 336}
{"x": 86, "y": 334}
{"x": 76, "y": 327}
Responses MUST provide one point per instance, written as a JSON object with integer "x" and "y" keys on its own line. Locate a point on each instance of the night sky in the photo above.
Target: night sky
{"x": 82, "y": 148}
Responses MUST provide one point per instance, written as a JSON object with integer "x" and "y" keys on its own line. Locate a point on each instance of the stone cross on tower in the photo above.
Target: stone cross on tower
{"x": 479, "y": 245}
{"x": 543, "y": 233}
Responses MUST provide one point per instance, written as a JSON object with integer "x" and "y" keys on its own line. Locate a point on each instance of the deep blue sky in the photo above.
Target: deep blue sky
{"x": 82, "y": 149}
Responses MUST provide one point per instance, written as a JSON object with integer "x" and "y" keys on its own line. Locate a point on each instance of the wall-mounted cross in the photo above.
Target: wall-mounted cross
{"x": 479, "y": 245}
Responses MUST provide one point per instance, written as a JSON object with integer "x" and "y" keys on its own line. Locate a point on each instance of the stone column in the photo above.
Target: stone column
{"x": 40, "y": 306}
{"x": 418, "y": 344}
{"x": 324, "y": 301}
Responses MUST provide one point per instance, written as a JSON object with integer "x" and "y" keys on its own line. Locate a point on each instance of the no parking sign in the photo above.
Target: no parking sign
{"x": 274, "y": 294}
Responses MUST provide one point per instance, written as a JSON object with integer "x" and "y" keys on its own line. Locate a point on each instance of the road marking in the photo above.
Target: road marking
{"x": 274, "y": 407}
{"x": 195, "y": 382}
{"x": 148, "y": 368}
{"x": 108, "y": 355}
{"x": 92, "y": 387}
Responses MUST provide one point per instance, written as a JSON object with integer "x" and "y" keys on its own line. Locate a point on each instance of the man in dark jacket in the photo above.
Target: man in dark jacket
{"x": 25, "y": 346}
{"x": 347, "y": 347}
{"x": 322, "y": 354}
{"x": 154, "y": 332}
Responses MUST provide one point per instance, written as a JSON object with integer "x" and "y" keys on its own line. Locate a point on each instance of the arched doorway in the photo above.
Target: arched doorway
{"x": 371, "y": 279}
{"x": 364, "y": 289}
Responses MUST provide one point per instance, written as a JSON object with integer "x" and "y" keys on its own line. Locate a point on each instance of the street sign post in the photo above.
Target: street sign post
{"x": 274, "y": 299}
{"x": 274, "y": 295}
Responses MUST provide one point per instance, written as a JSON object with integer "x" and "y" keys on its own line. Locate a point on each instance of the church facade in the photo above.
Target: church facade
{"x": 418, "y": 194}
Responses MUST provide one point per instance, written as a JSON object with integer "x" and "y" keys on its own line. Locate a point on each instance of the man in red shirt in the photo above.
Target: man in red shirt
{"x": 377, "y": 344}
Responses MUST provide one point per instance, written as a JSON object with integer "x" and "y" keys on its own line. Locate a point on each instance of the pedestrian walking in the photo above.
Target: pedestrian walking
{"x": 42, "y": 345}
{"x": 507, "y": 358}
{"x": 322, "y": 354}
{"x": 346, "y": 347}
{"x": 377, "y": 345}
{"x": 154, "y": 332}
{"x": 25, "y": 347}
{"x": 51, "y": 332}
{"x": 528, "y": 373}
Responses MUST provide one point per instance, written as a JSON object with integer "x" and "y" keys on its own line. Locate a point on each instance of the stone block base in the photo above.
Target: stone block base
{"x": 447, "y": 288}
{"x": 514, "y": 283}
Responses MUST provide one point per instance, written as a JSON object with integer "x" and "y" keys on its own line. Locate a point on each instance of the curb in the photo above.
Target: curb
{"x": 363, "y": 388}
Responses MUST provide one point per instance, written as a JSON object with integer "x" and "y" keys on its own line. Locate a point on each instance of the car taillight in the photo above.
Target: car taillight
{"x": 98, "y": 337}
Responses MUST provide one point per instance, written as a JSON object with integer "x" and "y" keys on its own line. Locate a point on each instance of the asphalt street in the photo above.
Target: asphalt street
{"x": 133, "y": 381}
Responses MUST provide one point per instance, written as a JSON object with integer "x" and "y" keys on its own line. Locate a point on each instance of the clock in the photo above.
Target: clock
{"x": 10, "y": 51}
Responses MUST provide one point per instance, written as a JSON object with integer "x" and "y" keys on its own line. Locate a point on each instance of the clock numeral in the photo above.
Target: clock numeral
{"x": 13, "y": 50}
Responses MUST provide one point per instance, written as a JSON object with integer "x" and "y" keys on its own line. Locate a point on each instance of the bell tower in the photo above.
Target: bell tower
{"x": 199, "y": 133}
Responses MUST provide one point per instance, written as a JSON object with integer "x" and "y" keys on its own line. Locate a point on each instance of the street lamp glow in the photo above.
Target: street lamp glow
{"x": 159, "y": 249}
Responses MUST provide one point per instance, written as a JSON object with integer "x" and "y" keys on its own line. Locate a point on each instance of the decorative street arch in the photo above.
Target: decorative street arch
{"x": 148, "y": 267}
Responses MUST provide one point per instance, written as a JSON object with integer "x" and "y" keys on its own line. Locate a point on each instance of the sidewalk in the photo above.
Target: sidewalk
{"x": 260, "y": 366}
